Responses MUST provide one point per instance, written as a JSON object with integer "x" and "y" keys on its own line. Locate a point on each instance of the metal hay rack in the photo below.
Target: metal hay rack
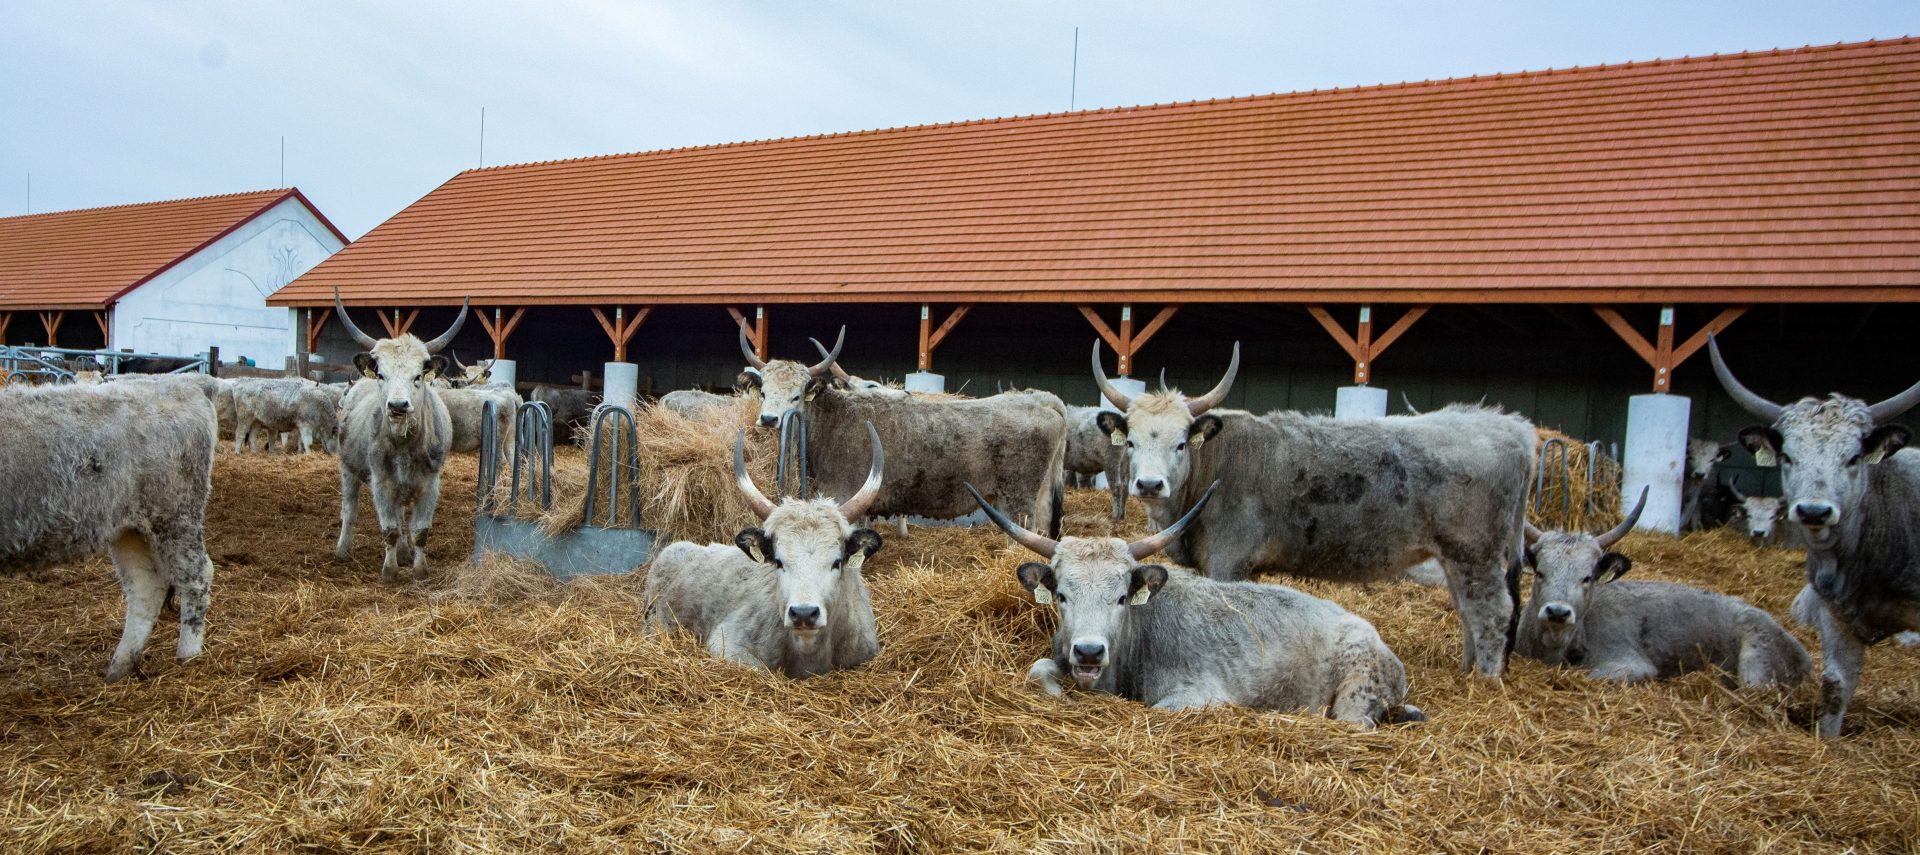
{"x": 608, "y": 540}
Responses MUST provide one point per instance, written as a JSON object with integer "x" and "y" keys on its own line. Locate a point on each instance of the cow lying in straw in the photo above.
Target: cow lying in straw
{"x": 787, "y": 596}
{"x": 1177, "y": 640}
{"x": 124, "y": 467}
{"x": 1630, "y": 631}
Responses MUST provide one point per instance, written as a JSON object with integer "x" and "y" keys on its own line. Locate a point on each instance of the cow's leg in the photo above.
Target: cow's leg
{"x": 306, "y": 439}
{"x": 724, "y": 645}
{"x": 1117, "y": 483}
{"x": 242, "y": 428}
{"x": 1627, "y": 667}
{"x": 349, "y": 512}
{"x": 1372, "y": 681}
{"x": 421, "y": 521}
{"x": 1841, "y": 655}
{"x": 1479, "y": 588}
{"x": 141, "y": 585}
{"x": 1045, "y": 675}
{"x": 186, "y": 569}
{"x": 387, "y": 507}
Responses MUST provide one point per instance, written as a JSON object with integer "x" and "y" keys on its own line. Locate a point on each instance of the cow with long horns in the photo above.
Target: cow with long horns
{"x": 1344, "y": 499}
{"x": 786, "y": 596}
{"x": 1174, "y": 640}
{"x": 1630, "y": 631}
{"x": 1856, "y": 504}
{"x": 394, "y": 435}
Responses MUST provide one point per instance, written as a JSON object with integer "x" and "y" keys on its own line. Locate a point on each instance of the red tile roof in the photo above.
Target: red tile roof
{"x": 89, "y": 258}
{"x": 1788, "y": 175}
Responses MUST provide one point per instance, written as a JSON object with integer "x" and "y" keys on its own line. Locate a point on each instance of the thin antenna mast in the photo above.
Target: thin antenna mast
{"x": 483, "y": 136}
{"x": 1073, "y": 88}
{"x": 283, "y": 160}
{"x": 29, "y": 192}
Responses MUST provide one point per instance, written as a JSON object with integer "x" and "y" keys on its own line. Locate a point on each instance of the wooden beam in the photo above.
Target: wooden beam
{"x": 1628, "y": 334}
{"x": 50, "y": 321}
{"x": 947, "y": 325}
{"x": 1662, "y": 355}
{"x": 6, "y": 318}
{"x": 315, "y": 326}
{"x": 1699, "y": 339}
{"x": 621, "y": 328}
{"x": 1340, "y": 336}
{"x": 1153, "y": 326}
{"x": 499, "y": 329}
{"x": 106, "y": 329}
{"x": 396, "y": 326}
{"x": 1363, "y": 347}
{"x": 1394, "y": 332}
{"x": 930, "y": 338}
{"x": 1100, "y": 326}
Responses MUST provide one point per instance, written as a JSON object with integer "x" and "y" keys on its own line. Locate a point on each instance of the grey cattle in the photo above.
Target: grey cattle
{"x": 787, "y": 596}
{"x": 1759, "y": 517}
{"x": 1175, "y": 640}
{"x": 1629, "y": 631}
{"x": 465, "y": 407}
{"x": 1704, "y": 504}
{"x": 571, "y": 408}
{"x": 697, "y": 404}
{"x": 1856, "y": 505}
{"x": 1013, "y": 445}
{"x": 861, "y": 385}
{"x": 124, "y": 467}
{"x": 267, "y": 407}
{"x": 395, "y": 434}
{"x": 1091, "y": 452}
{"x": 1352, "y": 500}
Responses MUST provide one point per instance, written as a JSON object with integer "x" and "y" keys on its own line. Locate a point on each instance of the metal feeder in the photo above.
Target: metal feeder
{"x": 793, "y": 479}
{"x": 608, "y": 540}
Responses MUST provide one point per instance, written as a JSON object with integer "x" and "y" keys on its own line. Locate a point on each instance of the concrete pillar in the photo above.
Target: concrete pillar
{"x": 926, "y": 381}
{"x": 504, "y": 371}
{"x": 1359, "y": 402}
{"x": 622, "y": 383}
{"x": 1655, "y": 458}
{"x": 1128, "y": 386}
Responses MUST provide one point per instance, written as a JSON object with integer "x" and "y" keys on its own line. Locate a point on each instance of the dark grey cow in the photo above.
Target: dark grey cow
{"x": 1091, "y": 452}
{"x": 571, "y": 408}
{"x": 1704, "y": 503}
{"x": 1856, "y": 504}
{"x": 1629, "y": 631}
{"x": 1353, "y": 500}
{"x": 1175, "y": 640}
{"x": 124, "y": 467}
{"x": 394, "y": 435}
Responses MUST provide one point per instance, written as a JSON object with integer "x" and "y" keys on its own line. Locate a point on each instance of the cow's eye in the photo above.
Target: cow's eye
{"x": 1588, "y": 580}
{"x": 1854, "y": 460}
{"x": 1129, "y": 443}
{"x": 779, "y": 565}
{"x": 1180, "y": 447}
{"x": 837, "y": 562}
{"x": 1059, "y": 597}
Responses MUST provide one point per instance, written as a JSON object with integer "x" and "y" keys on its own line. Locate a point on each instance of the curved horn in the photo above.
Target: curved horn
{"x": 1891, "y": 408}
{"x": 1113, "y": 396}
{"x": 1626, "y": 525}
{"x": 1212, "y": 399}
{"x": 1041, "y": 546}
{"x": 1734, "y": 485}
{"x": 1532, "y": 534}
{"x": 857, "y": 506}
{"x": 817, "y": 370}
{"x": 831, "y": 363}
{"x": 340, "y": 309}
{"x": 746, "y": 349}
{"x": 755, "y": 499}
{"x": 446, "y": 338}
{"x": 1742, "y": 395}
{"x": 1142, "y": 548}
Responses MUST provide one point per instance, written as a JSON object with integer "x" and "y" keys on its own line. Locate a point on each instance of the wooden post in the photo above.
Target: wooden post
{"x": 106, "y": 329}
{"x": 50, "y": 321}
{"x": 930, "y": 338}
{"x": 314, "y": 327}
{"x": 620, "y": 330}
{"x": 499, "y": 330}
{"x": 757, "y": 333}
{"x": 1363, "y": 347}
{"x": 213, "y": 361}
{"x": 1125, "y": 342}
{"x": 1662, "y": 355}
{"x": 398, "y": 327}
{"x": 6, "y": 318}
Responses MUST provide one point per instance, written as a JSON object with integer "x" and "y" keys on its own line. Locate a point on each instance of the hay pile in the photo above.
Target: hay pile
{"x": 333, "y": 713}
{"x": 1569, "y": 498}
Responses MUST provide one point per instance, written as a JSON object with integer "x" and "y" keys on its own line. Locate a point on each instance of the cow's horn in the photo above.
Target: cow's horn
{"x": 1142, "y": 548}
{"x": 831, "y": 357}
{"x": 1113, "y": 396}
{"x": 1214, "y": 398}
{"x": 365, "y": 340}
{"x": 1734, "y": 486}
{"x": 1532, "y": 534}
{"x": 1041, "y": 546}
{"x": 1742, "y": 395}
{"x": 831, "y": 363}
{"x": 755, "y": 499}
{"x": 857, "y": 506}
{"x": 1891, "y": 408}
{"x": 459, "y": 321}
{"x": 1163, "y": 379}
{"x": 746, "y": 349}
{"x": 1626, "y": 525}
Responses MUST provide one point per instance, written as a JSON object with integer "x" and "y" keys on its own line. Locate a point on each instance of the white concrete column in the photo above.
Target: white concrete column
{"x": 1359, "y": 402}
{"x": 504, "y": 371}
{"x": 622, "y": 383}
{"x": 1655, "y": 458}
{"x": 1128, "y": 386}
{"x": 926, "y": 381}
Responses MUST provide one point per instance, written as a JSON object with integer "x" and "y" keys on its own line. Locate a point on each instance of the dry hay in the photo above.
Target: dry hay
{"x": 1567, "y": 499}
{"x": 334, "y": 713}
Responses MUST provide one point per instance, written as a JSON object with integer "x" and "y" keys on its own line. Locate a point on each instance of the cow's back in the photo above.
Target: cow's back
{"x": 1009, "y": 445}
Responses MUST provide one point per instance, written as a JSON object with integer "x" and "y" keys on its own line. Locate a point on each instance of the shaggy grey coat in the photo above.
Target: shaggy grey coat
{"x": 1090, "y": 451}
{"x": 1631, "y": 631}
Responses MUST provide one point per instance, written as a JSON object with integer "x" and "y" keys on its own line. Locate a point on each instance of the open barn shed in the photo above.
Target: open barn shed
{"x": 1559, "y": 242}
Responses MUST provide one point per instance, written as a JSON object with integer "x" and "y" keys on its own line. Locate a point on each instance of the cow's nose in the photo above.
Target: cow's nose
{"x": 399, "y": 408}
{"x": 803, "y": 615}
{"x": 769, "y": 421}
{"x": 1089, "y": 652}
{"x": 1557, "y": 612}
{"x": 1148, "y": 486}
{"x": 1814, "y": 513}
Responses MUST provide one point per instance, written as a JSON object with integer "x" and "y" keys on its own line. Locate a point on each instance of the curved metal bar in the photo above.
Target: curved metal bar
{"x": 792, "y": 459}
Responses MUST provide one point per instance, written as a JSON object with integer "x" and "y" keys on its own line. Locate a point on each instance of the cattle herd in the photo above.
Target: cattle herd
{"x": 124, "y": 464}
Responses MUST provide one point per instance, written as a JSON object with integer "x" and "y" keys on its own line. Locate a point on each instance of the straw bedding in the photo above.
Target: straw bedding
{"x": 490, "y": 710}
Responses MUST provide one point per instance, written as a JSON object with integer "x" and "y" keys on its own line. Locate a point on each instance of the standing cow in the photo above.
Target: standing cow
{"x": 1353, "y": 500}
{"x": 1857, "y": 506}
{"x": 1704, "y": 503}
{"x": 1090, "y": 452}
{"x": 265, "y": 408}
{"x": 395, "y": 434}
{"x": 466, "y": 406}
{"x": 124, "y": 467}
{"x": 787, "y": 596}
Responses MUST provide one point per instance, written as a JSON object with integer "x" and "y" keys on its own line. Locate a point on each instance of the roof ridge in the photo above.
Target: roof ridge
{"x": 235, "y": 195}
{"x": 1171, "y": 105}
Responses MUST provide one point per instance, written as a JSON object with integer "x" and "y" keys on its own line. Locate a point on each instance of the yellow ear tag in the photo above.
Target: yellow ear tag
{"x": 755, "y": 550}
{"x": 1875, "y": 457}
{"x": 1141, "y": 596}
{"x": 1042, "y": 595}
{"x": 1118, "y": 437}
{"x": 1763, "y": 457}
{"x": 855, "y": 560}
{"x": 369, "y": 375}
{"x": 1198, "y": 440}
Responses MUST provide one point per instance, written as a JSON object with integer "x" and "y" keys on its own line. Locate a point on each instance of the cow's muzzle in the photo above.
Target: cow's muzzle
{"x": 1815, "y": 514}
{"x": 1149, "y": 488}
{"x": 1559, "y": 614}
{"x": 1087, "y": 658}
{"x": 805, "y": 618}
{"x": 769, "y": 421}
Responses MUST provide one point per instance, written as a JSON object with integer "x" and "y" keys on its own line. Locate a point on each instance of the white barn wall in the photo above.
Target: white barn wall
{"x": 218, "y": 296}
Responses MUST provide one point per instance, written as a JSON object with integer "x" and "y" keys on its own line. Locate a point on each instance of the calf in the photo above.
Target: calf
{"x": 1177, "y": 640}
{"x": 1631, "y": 631}
{"x": 787, "y": 596}
{"x": 1760, "y": 515}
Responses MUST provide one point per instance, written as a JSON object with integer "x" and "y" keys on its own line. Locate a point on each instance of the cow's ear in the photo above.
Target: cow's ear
{"x": 1147, "y": 580}
{"x": 364, "y": 362}
{"x": 436, "y": 366}
{"x": 861, "y": 545}
{"x": 1612, "y": 566}
{"x": 1039, "y": 579}
{"x": 755, "y": 543}
{"x": 1203, "y": 428}
{"x": 1885, "y": 440}
{"x": 1113, "y": 425}
{"x": 748, "y": 379}
{"x": 1528, "y": 559}
{"x": 1764, "y": 442}
{"x": 1726, "y": 451}
{"x": 814, "y": 386}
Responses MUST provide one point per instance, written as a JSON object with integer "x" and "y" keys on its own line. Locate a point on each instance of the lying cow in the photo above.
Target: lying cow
{"x": 1759, "y": 516}
{"x": 1631, "y": 631}
{"x": 697, "y": 404}
{"x": 787, "y": 596}
{"x": 124, "y": 467}
{"x": 1176, "y": 640}
{"x": 265, "y": 408}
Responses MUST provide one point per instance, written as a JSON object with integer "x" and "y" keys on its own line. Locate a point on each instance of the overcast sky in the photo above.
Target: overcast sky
{"x": 113, "y": 102}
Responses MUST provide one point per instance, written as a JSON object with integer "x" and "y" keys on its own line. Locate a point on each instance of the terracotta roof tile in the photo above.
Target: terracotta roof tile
{"x": 1780, "y": 175}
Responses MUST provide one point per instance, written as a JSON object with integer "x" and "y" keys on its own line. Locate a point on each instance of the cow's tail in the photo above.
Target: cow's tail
{"x": 1515, "y": 566}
